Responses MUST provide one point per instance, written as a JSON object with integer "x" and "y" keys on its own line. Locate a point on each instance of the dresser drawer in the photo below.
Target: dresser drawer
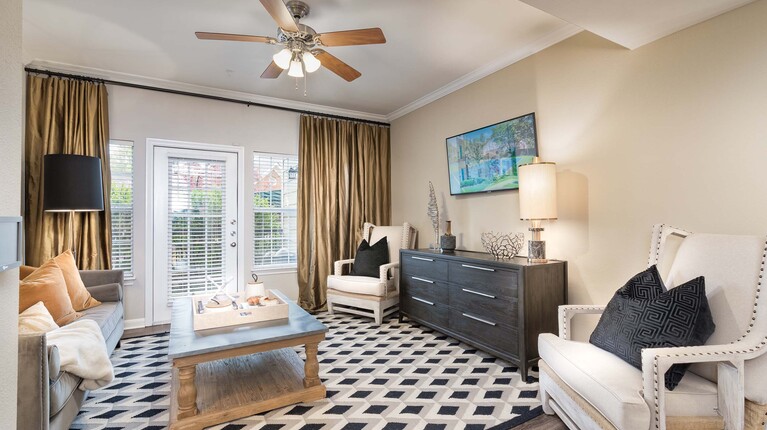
{"x": 423, "y": 287}
{"x": 424, "y": 266}
{"x": 424, "y": 309}
{"x": 485, "y": 279}
{"x": 501, "y": 309}
{"x": 481, "y": 329}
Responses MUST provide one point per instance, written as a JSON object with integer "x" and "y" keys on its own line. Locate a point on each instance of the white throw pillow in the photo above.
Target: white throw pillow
{"x": 36, "y": 319}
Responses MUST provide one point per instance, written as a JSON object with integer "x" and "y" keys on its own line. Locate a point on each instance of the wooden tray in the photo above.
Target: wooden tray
{"x": 228, "y": 316}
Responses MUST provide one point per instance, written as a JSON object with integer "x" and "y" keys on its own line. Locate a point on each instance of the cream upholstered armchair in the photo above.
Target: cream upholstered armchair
{"x": 726, "y": 387}
{"x": 368, "y": 296}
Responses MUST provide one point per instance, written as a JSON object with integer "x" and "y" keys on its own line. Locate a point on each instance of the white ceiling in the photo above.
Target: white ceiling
{"x": 433, "y": 46}
{"x": 430, "y": 43}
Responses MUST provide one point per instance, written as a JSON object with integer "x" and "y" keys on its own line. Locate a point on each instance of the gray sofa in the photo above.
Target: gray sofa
{"x": 47, "y": 397}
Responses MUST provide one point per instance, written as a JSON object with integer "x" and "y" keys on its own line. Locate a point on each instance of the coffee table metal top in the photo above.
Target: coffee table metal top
{"x": 184, "y": 341}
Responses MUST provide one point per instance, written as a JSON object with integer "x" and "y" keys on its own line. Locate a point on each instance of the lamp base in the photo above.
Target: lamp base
{"x": 536, "y": 251}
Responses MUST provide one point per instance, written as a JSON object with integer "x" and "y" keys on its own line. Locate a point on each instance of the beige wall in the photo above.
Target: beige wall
{"x": 11, "y": 83}
{"x": 673, "y": 132}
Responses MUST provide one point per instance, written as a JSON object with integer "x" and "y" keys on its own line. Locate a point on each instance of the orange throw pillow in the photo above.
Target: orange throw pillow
{"x": 47, "y": 285}
{"x": 81, "y": 298}
{"x": 25, "y": 271}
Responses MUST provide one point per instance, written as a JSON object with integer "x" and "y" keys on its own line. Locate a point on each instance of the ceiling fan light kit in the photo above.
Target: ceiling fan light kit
{"x": 296, "y": 69}
{"x": 302, "y": 51}
{"x": 283, "y": 58}
{"x": 311, "y": 63}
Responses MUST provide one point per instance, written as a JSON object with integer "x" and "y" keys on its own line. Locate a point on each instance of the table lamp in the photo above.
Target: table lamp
{"x": 537, "y": 202}
{"x": 72, "y": 183}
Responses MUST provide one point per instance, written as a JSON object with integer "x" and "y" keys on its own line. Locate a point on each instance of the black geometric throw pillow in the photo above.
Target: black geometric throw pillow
{"x": 369, "y": 258}
{"x": 642, "y": 314}
{"x": 679, "y": 317}
{"x": 624, "y": 313}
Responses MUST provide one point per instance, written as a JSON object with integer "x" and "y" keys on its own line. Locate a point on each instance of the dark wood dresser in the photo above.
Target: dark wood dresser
{"x": 498, "y": 306}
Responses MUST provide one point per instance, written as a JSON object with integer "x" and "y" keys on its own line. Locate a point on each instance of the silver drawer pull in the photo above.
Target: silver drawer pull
{"x": 422, "y": 280}
{"x": 425, "y": 301}
{"x": 477, "y": 293}
{"x": 486, "y": 269}
{"x": 422, "y": 258}
{"x": 478, "y": 319}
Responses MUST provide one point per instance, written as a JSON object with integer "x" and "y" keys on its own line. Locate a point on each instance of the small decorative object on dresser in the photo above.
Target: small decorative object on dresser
{"x": 503, "y": 246}
{"x": 497, "y": 306}
{"x": 433, "y": 211}
{"x": 447, "y": 241}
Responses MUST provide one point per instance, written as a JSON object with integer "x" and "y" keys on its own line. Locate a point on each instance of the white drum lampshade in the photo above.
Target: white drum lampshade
{"x": 537, "y": 202}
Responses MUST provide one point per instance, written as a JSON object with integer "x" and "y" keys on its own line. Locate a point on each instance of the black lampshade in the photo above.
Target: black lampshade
{"x": 72, "y": 183}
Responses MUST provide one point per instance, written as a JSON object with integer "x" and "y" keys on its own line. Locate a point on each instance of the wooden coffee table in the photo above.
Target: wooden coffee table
{"x": 223, "y": 374}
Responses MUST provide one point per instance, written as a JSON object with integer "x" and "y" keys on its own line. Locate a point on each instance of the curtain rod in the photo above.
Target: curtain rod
{"x": 203, "y": 96}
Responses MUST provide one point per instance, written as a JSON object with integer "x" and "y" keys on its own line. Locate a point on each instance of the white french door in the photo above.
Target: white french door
{"x": 196, "y": 224}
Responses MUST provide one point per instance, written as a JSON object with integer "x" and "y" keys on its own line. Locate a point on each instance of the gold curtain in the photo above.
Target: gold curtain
{"x": 344, "y": 180}
{"x": 65, "y": 117}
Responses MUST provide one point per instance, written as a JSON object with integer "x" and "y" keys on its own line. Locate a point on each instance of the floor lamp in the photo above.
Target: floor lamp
{"x": 72, "y": 183}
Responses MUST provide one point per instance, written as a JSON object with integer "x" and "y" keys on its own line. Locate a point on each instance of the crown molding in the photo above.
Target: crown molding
{"x": 73, "y": 69}
{"x": 538, "y": 45}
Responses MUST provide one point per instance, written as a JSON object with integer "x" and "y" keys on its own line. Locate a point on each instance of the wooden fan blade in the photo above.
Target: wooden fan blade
{"x": 366, "y": 36}
{"x": 337, "y": 66}
{"x": 280, "y": 14}
{"x": 234, "y": 37}
{"x": 272, "y": 71}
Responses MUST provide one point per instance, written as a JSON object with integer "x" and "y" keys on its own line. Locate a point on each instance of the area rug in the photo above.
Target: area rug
{"x": 396, "y": 376}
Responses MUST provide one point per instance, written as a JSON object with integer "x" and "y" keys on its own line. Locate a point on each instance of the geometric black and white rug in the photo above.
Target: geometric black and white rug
{"x": 396, "y": 376}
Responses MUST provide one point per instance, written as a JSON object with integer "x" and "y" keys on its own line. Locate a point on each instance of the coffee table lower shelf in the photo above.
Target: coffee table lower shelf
{"x": 242, "y": 386}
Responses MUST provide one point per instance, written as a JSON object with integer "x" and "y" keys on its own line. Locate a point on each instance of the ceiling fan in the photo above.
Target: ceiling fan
{"x": 303, "y": 51}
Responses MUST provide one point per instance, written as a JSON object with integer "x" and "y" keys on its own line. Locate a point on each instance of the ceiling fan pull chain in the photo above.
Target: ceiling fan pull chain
{"x": 306, "y": 76}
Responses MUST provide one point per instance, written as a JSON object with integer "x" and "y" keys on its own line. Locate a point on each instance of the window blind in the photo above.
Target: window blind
{"x": 121, "y": 200}
{"x": 275, "y": 199}
{"x": 196, "y": 222}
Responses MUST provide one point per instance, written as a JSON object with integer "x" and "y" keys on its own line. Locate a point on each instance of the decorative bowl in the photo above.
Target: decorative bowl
{"x": 503, "y": 246}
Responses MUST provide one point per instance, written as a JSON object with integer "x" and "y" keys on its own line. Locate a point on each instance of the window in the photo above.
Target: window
{"x": 275, "y": 199}
{"x": 196, "y": 225}
{"x": 121, "y": 200}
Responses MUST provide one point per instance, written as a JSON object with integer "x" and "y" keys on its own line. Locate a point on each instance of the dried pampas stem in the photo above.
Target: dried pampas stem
{"x": 433, "y": 212}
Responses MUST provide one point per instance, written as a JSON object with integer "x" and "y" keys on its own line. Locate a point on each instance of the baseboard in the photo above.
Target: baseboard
{"x": 134, "y": 323}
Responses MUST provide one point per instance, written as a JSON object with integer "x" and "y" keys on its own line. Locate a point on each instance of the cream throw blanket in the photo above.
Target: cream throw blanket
{"x": 83, "y": 352}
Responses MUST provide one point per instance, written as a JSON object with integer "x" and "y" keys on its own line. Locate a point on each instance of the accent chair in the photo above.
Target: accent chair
{"x": 590, "y": 388}
{"x": 365, "y": 295}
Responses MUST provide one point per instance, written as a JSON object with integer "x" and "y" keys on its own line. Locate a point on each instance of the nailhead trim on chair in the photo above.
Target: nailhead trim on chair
{"x": 751, "y": 325}
{"x": 650, "y": 261}
{"x": 659, "y": 242}
{"x": 579, "y": 308}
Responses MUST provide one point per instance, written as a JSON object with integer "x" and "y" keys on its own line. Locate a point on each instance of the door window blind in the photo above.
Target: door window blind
{"x": 275, "y": 199}
{"x": 196, "y": 222}
{"x": 121, "y": 200}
